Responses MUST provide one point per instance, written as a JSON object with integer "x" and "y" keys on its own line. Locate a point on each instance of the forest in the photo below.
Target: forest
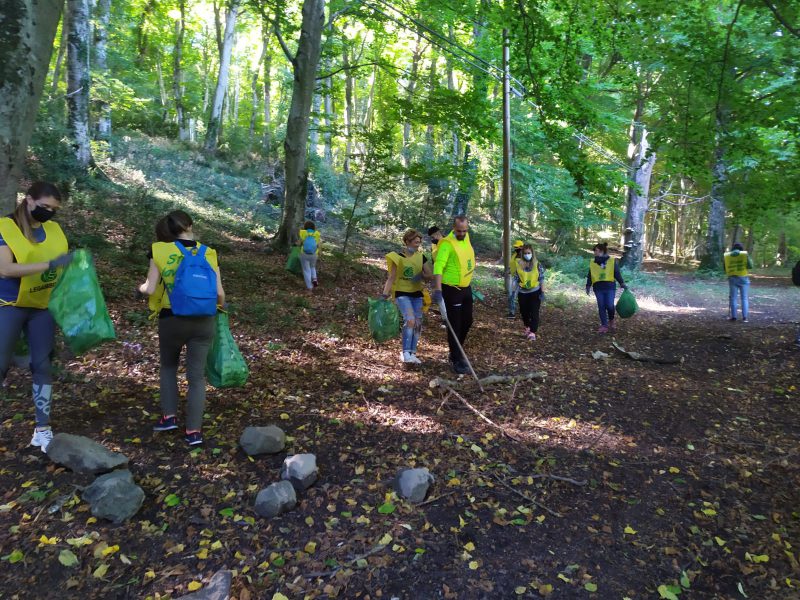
{"x": 659, "y": 461}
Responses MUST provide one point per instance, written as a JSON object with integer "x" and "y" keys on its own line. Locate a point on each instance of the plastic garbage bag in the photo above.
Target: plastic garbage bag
{"x": 626, "y": 305}
{"x": 293, "y": 262}
{"x": 78, "y": 306}
{"x": 225, "y": 365}
{"x": 383, "y": 319}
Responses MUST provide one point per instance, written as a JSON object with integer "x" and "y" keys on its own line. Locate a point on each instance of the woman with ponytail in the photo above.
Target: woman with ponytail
{"x": 33, "y": 249}
{"x": 603, "y": 273}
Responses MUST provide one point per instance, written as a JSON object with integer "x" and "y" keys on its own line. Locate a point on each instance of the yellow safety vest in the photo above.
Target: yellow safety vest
{"x": 407, "y": 269}
{"x": 600, "y": 274}
{"x": 736, "y": 264}
{"x": 528, "y": 280}
{"x": 167, "y": 257}
{"x": 304, "y": 235}
{"x": 465, "y": 254}
{"x": 34, "y": 290}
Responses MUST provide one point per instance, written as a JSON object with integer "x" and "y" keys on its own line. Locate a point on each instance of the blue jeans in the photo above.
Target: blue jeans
{"x": 605, "y": 304}
{"x": 739, "y": 285}
{"x": 411, "y": 309}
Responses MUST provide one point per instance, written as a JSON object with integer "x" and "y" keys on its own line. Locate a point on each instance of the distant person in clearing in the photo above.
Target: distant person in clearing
{"x": 603, "y": 273}
{"x": 33, "y": 250}
{"x": 512, "y": 292}
{"x": 737, "y": 262}
{"x": 452, "y": 271}
{"x": 529, "y": 279}
{"x": 309, "y": 253}
{"x": 407, "y": 269}
{"x": 176, "y": 241}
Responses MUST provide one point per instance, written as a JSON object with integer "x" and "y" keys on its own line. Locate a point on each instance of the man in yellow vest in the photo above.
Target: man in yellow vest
{"x": 452, "y": 272}
{"x": 436, "y": 236}
{"x": 514, "y": 290}
{"x": 737, "y": 262}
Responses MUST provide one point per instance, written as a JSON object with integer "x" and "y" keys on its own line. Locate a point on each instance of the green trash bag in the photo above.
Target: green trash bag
{"x": 383, "y": 319}
{"x": 78, "y": 306}
{"x": 225, "y": 365}
{"x": 476, "y": 295}
{"x": 626, "y": 305}
{"x": 293, "y": 262}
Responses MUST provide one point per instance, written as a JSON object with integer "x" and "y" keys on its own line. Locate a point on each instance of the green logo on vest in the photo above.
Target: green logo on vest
{"x": 408, "y": 272}
{"x": 49, "y": 275}
{"x": 469, "y": 264}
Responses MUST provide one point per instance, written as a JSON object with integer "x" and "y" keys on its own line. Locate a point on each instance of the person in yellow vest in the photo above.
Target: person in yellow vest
{"x": 407, "y": 269}
{"x": 176, "y": 332}
{"x": 602, "y": 277}
{"x": 436, "y": 236}
{"x": 737, "y": 262}
{"x": 512, "y": 293}
{"x": 529, "y": 280}
{"x": 309, "y": 254}
{"x": 33, "y": 249}
{"x": 452, "y": 273}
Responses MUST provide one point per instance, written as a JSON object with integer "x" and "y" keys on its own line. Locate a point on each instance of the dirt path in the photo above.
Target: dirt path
{"x": 674, "y": 473}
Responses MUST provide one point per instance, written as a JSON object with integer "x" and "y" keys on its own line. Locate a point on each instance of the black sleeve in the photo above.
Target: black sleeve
{"x": 617, "y": 273}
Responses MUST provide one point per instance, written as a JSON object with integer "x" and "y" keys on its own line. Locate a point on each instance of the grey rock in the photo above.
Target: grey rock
{"x": 219, "y": 588}
{"x": 276, "y": 499}
{"x": 413, "y": 484}
{"x": 301, "y": 470}
{"x": 114, "y": 496}
{"x": 262, "y": 440}
{"x": 82, "y": 455}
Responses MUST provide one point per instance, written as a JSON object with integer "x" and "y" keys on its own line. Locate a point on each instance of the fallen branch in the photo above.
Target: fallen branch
{"x": 432, "y": 500}
{"x": 502, "y": 482}
{"x": 580, "y": 482}
{"x": 480, "y": 414}
{"x": 490, "y": 380}
{"x": 639, "y": 357}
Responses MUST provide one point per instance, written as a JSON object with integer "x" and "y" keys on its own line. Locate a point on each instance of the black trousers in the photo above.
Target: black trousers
{"x": 458, "y": 302}
{"x": 529, "y": 305}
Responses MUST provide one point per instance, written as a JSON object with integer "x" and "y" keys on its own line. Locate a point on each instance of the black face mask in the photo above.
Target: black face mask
{"x": 42, "y": 214}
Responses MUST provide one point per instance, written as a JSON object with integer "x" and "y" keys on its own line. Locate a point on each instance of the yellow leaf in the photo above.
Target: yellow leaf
{"x": 309, "y": 521}
{"x": 385, "y": 540}
{"x": 217, "y": 545}
{"x": 359, "y": 469}
{"x": 110, "y": 550}
{"x": 203, "y": 554}
{"x": 630, "y": 530}
{"x": 461, "y": 521}
{"x": 564, "y": 578}
{"x": 719, "y": 540}
{"x": 311, "y": 547}
{"x": 100, "y": 571}
{"x": 284, "y": 417}
{"x": 546, "y": 589}
{"x": 279, "y": 596}
{"x": 91, "y": 520}
{"x": 540, "y": 519}
{"x": 520, "y": 589}
{"x": 709, "y": 512}
{"x": 469, "y": 546}
{"x": 473, "y": 565}
{"x": 194, "y": 586}
{"x": 46, "y": 541}
{"x": 28, "y": 483}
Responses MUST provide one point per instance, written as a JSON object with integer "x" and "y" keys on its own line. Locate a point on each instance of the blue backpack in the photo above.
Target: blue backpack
{"x": 310, "y": 244}
{"x": 194, "y": 293}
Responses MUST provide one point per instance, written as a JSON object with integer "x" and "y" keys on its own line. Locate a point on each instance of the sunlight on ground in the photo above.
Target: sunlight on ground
{"x": 650, "y": 304}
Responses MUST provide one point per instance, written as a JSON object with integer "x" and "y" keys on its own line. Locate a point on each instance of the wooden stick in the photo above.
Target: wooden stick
{"x": 490, "y": 380}
{"x": 481, "y": 415}
{"x": 526, "y": 497}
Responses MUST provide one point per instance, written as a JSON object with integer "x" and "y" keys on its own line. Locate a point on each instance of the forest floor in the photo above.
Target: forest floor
{"x": 611, "y": 478}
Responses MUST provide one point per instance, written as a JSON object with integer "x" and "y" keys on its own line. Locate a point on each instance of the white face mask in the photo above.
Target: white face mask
{"x": 527, "y": 256}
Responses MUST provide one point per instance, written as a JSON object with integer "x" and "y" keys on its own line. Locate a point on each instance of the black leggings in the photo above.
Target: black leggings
{"x": 458, "y": 303}
{"x": 529, "y": 305}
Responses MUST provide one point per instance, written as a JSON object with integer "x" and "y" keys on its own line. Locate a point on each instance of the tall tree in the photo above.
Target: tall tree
{"x": 101, "y": 64}
{"x": 177, "y": 72}
{"x": 215, "y": 120}
{"x": 78, "y": 81}
{"x": 26, "y": 43}
{"x": 305, "y": 62}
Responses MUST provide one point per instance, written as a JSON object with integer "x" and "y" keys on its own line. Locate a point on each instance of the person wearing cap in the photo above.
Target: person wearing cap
{"x": 513, "y": 290}
{"x": 436, "y": 236}
{"x": 737, "y": 262}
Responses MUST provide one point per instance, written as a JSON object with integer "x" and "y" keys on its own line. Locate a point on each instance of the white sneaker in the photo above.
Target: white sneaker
{"x": 405, "y": 357}
{"x": 42, "y": 438}
{"x": 414, "y": 359}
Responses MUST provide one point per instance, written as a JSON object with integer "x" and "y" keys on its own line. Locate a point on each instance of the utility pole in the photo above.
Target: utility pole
{"x": 506, "y": 166}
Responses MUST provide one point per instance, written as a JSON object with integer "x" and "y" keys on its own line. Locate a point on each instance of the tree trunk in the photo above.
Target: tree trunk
{"x": 26, "y": 43}
{"x": 266, "y": 30}
{"x": 715, "y": 236}
{"x": 349, "y": 109}
{"x": 162, "y": 90}
{"x": 101, "y": 65}
{"x": 638, "y": 191}
{"x": 62, "y": 51}
{"x": 255, "y": 95}
{"x": 782, "y": 251}
{"x": 295, "y": 145}
{"x": 177, "y": 73}
{"x": 214, "y": 121}
{"x": 78, "y": 81}
{"x": 141, "y": 33}
{"x": 316, "y": 105}
{"x": 466, "y": 184}
{"x": 412, "y": 86}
